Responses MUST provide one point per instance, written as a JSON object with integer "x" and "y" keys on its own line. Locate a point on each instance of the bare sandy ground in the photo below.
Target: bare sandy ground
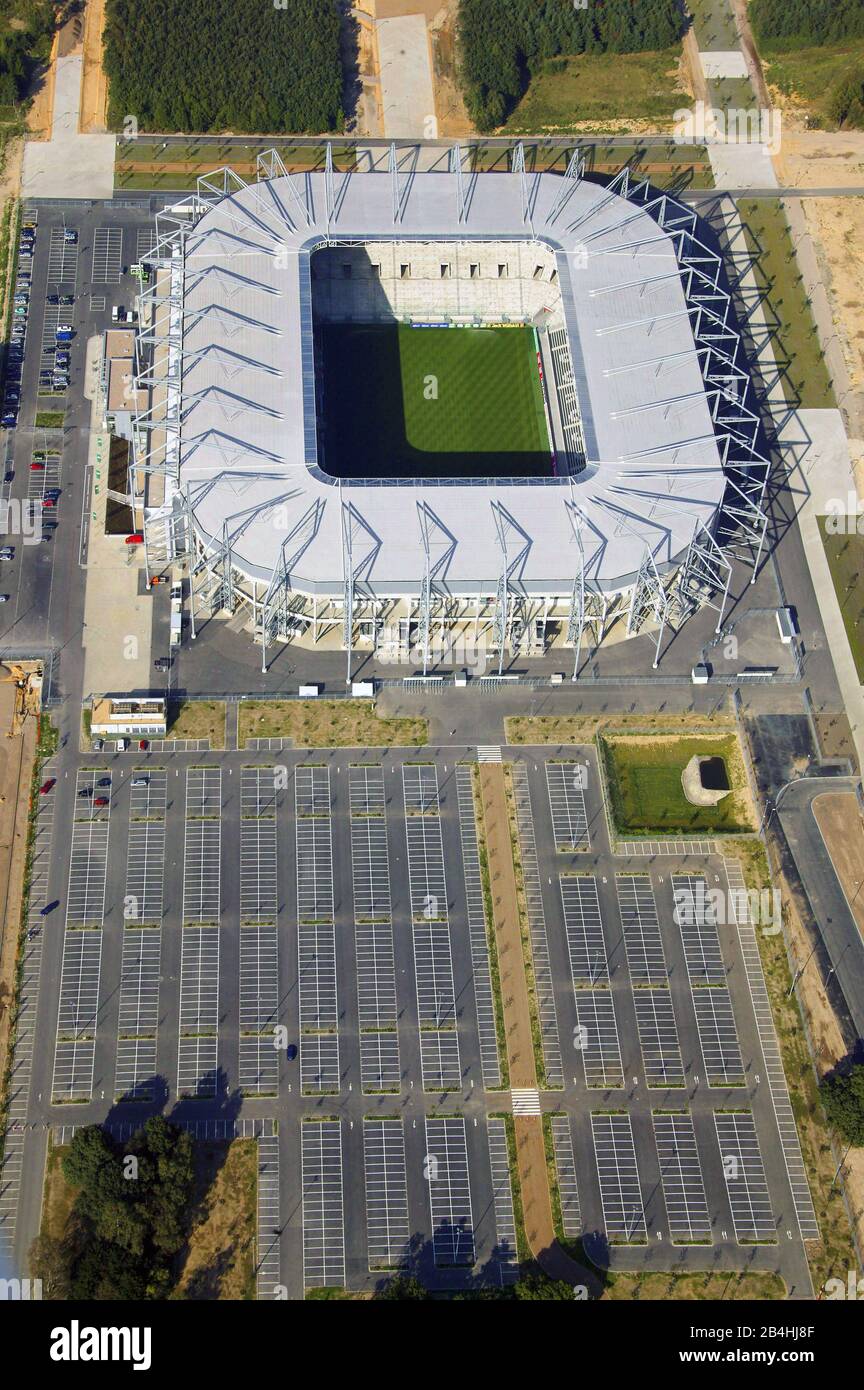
{"x": 94, "y": 84}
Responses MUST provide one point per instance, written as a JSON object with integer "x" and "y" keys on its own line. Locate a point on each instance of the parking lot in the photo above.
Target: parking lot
{"x": 306, "y": 942}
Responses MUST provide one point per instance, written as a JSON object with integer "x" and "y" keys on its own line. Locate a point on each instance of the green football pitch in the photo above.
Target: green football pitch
{"x": 403, "y": 402}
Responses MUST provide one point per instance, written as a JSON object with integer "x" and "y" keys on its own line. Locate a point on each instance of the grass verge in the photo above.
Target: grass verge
{"x": 219, "y": 1258}
{"x": 600, "y": 89}
{"x": 49, "y": 420}
{"x": 575, "y": 729}
{"x": 524, "y": 931}
{"x": 196, "y": 719}
{"x": 787, "y": 309}
{"x": 328, "y": 724}
{"x": 845, "y": 556}
{"x": 643, "y": 776}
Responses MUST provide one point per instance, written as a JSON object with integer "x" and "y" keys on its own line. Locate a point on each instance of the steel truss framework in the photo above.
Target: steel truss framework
{"x": 658, "y": 597}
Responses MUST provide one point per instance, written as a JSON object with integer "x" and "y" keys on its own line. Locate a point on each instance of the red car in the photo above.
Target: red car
{"x": 46, "y": 786}
{"x": 143, "y": 745}
{"x": 48, "y": 502}
{"x": 100, "y": 801}
{"x": 37, "y": 468}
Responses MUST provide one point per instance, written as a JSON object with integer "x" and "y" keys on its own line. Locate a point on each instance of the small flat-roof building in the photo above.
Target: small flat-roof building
{"x": 119, "y": 716}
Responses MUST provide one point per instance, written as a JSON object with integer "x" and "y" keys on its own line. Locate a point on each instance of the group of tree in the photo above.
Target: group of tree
{"x": 531, "y": 1287}
{"x": 504, "y": 42}
{"x": 846, "y": 100}
{"x": 800, "y": 22}
{"x": 224, "y": 65}
{"x": 25, "y": 38}
{"x": 129, "y": 1218}
{"x": 843, "y": 1099}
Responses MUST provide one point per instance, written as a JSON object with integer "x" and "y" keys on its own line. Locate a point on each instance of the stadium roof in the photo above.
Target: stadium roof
{"x": 248, "y": 438}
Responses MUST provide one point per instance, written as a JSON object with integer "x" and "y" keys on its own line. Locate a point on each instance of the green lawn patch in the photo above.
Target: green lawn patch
{"x": 599, "y": 88}
{"x": 644, "y": 781}
{"x": 49, "y": 419}
{"x": 806, "y": 76}
{"x": 845, "y": 555}
{"x": 787, "y": 309}
{"x": 435, "y": 402}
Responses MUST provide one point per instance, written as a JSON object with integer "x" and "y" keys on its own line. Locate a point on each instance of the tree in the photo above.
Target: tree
{"x": 846, "y": 101}
{"x": 843, "y": 1099}
{"x": 807, "y": 21}
{"x": 404, "y": 1289}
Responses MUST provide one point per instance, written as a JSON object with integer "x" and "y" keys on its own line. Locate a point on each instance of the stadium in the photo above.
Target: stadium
{"x": 399, "y": 408}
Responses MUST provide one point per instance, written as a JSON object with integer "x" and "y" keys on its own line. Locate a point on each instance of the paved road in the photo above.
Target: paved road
{"x": 830, "y": 907}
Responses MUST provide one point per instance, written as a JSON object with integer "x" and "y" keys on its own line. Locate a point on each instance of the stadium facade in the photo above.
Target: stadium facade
{"x": 658, "y": 482}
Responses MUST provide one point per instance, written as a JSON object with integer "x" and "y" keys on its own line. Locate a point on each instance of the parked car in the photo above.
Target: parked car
{"x": 66, "y": 299}
{"x": 37, "y": 467}
{"x": 143, "y": 745}
{"x": 162, "y": 663}
{"x": 98, "y": 744}
{"x": 104, "y": 782}
{"x": 9, "y": 419}
{"x": 4, "y": 598}
{"x": 7, "y": 552}
{"x": 53, "y": 299}
{"x": 140, "y": 781}
{"x": 100, "y": 801}
{"x": 9, "y": 475}
{"x": 86, "y": 791}
{"x": 46, "y": 786}
{"x": 70, "y": 235}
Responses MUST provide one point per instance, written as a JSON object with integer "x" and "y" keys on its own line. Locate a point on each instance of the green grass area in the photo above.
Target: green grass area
{"x": 644, "y": 782}
{"x": 787, "y": 309}
{"x": 806, "y": 76}
{"x": 49, "y": 419}
{"x": 845, "y": 555}
{"x": 714, "y": 25}
{"x": 433, "y": 402}
{"x": 600, "y": 88}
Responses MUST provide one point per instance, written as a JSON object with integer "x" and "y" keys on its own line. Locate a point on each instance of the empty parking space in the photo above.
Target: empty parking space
{"x": 699, "y": 936}
{"x": 584, "y": 930}
{"x": 658, "y": 1037}
{"x": 387, "y": 1227}
{"x": 50, "y": 324}
{"x": 259, "y": 897}
{"x": 477, "y": 931}
{"x": 620, "y": 1192}
{"x": 62, "y": 260}
{"x": 380, "y": 1068}
{"x": 259, "y": 1009}
{"x": 681, "y": 1175}
{"x": 376, "y": 974}
{"x": 440, "y": 1066}
{"x": 745, "y": 1177}
{"x": 203, "y": 792}
{"x": 135, "y": 1075}
{"x": 88, "y": 862}
{"x": 565, "y": 1165}
{"x": 319, "y": 1063}
{"x": 139, "y": 982}
{"x": 199, "y": 1011}
{"x": 323, "y": 1226}
{"x": 312, "y": 790}
{"x": 76, "y": 1016}
{"x": 565, "y": 782}
{"x": 428, "y": 886}
{"x": 316, "y": 954}
{"x": 643, "y": 944}
{"x": 145, "y": 863}
{"x": 196, "y": 1066}
{"x": 370, "y": 868}
{"x": 269, "y": 1273}
{"x": 145, "y": 240}
{"x": 366, "y": 790}
{"x": 420, "y": 789}
{"x": 449, "y": 1191}
{"x": 505, "y": 1252}
{"x": 597, "y": 1038}
{"x": 202, "y": 871}
{"x": 148, "y": 793}
{"x": 718, "y": 1036}
{"x": 107, "y": 262}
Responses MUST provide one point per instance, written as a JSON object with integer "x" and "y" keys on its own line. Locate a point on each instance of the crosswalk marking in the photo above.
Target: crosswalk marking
{"x": 526, "y": 1101}
{"x": 488, "y": 753}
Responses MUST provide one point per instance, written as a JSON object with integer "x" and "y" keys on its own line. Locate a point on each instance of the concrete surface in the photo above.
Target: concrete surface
{"x": 68, "y": 165}
{"x": 729, "y": 64}
{"x": 407, "y": 98}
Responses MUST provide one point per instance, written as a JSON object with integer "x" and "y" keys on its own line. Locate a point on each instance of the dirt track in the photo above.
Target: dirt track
{"x": 94, "y": 83}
